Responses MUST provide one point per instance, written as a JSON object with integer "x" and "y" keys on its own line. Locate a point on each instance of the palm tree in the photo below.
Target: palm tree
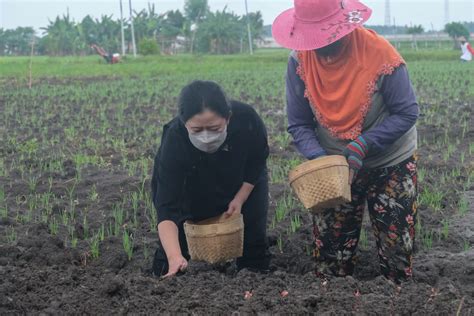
{"x": 220, "y": 32}
{"x": 61, "y": 36}
{"x": 108, "y": 31}
{"x": 195, "y": 12}
{"x": 255, "y": 21}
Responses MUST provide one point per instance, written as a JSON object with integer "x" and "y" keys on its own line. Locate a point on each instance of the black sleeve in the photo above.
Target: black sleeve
{"x": 258, "y": 151}
{"x": 168, "y": 178}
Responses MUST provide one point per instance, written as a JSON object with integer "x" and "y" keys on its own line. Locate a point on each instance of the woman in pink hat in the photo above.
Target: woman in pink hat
{"x": 348, "y": 93}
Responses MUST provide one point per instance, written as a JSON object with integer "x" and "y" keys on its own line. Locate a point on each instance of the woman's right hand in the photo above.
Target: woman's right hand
{"x": 355, "y": 152}
{"x": 176, "y": 264}
{"x": 168, "y": 233}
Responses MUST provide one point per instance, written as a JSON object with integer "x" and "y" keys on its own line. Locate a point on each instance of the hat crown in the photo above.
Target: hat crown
{"x": 316, "y": 10}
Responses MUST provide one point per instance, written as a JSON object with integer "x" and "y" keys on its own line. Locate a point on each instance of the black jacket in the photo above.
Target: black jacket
{"x": 190, "y": 184}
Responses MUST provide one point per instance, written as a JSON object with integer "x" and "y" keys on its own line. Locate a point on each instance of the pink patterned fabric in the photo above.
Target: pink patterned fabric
{"x": 313, "y": 24}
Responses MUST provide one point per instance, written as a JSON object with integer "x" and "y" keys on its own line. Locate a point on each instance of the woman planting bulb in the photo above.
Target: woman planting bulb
{"x": 212, "y": 160}
{"x": 348, "y": 93}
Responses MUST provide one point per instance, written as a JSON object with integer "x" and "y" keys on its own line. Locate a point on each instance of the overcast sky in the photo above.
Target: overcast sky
{"x": 36, "y": 13}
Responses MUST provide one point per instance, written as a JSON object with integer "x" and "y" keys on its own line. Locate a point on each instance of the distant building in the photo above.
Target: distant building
{"x": 267, "y": 42}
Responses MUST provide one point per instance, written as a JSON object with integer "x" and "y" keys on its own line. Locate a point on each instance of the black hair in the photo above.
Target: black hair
{"x": 201, "y": 95}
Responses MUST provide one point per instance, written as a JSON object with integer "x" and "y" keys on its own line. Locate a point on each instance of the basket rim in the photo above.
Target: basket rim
{"x": 198, "y": 233}
{"x": 231, "y": 226}
{"x": 295, "y": 173}
{"x": 220, "y": 219}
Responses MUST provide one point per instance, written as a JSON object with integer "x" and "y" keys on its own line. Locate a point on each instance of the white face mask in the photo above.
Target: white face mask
{"x": 208, "y": 141}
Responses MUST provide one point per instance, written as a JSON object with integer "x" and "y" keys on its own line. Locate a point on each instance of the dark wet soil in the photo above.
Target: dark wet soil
{"x": 42, "y": 273}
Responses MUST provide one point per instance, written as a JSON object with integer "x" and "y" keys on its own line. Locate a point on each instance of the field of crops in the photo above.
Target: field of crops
{"x": 78, "y": 229}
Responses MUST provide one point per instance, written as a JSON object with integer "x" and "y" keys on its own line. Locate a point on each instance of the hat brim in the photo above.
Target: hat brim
{"x": 294, "y": 34}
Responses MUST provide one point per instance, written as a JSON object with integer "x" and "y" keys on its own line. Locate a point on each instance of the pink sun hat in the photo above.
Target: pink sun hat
{"x": 313, "y": 24}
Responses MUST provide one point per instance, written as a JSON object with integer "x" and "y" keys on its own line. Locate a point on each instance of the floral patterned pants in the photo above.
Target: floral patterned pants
{"x": 390, "y": 194}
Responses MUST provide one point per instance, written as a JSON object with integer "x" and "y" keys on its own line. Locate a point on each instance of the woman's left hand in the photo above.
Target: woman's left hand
{"x": 235, "y": 207}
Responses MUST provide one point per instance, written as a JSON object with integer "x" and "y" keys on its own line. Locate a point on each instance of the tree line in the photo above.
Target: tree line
{"x": 196, "y": 29}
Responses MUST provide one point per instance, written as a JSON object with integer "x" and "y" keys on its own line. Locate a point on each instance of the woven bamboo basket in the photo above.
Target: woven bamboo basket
{"x": 322, "y": 183}
{"x": 217, "y": 239}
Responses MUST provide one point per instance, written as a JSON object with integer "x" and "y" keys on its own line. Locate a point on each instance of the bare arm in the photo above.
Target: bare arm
{"x": 99, "y": 50}
{"x": 240, "y": 198}
{"x": 167, "y": 185}
{"x": 168, "y": 232}
{"x": 244, "y": 192}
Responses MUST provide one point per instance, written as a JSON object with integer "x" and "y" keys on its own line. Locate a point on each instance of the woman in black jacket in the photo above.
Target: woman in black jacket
{"x": 212, "y": 160}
